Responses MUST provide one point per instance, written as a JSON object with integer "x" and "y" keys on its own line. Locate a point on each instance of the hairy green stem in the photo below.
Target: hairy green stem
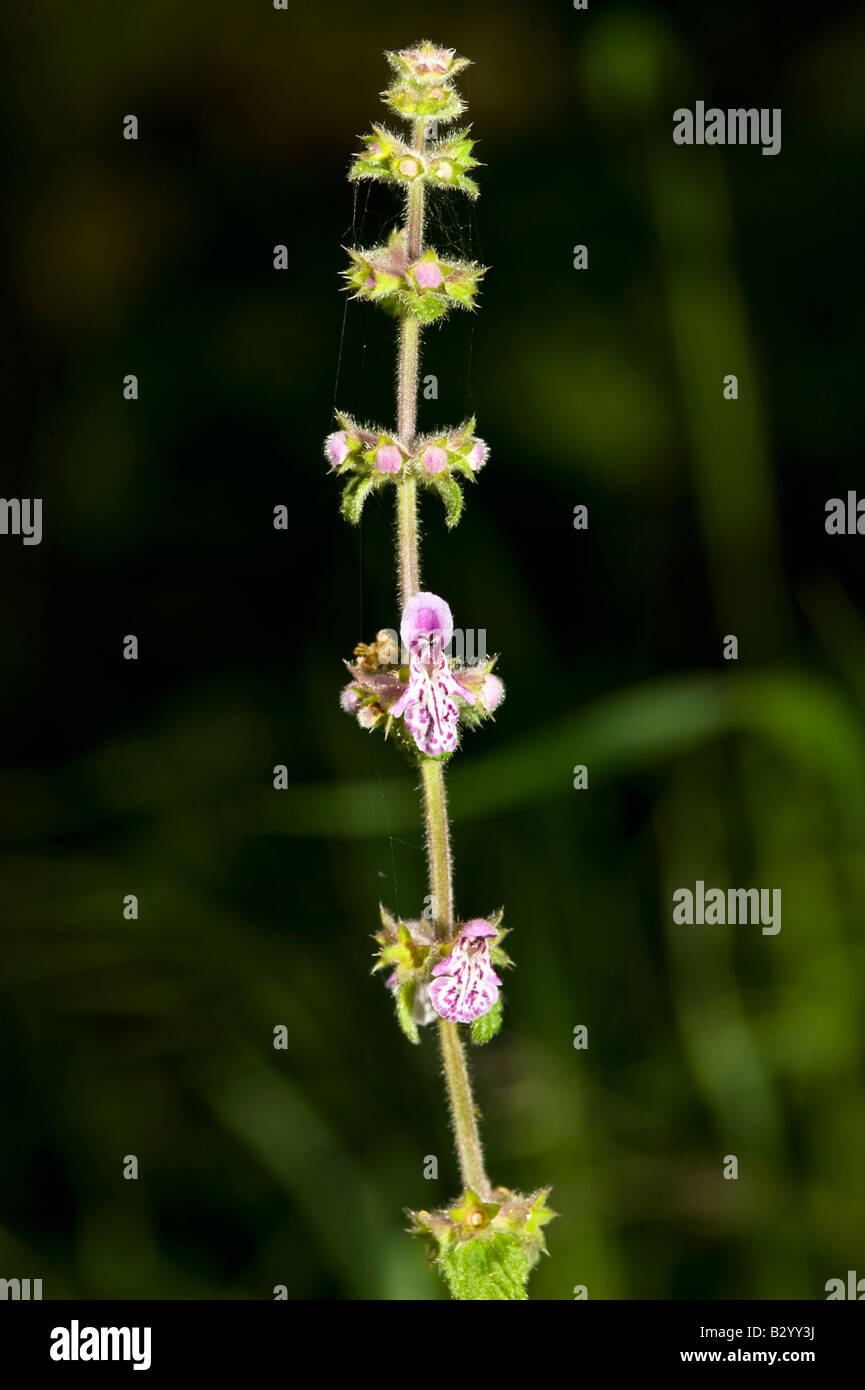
{"x": 414, "y": 225}
{"x": 438, "y": 847}
{"x": 407, "y": 532}
{"x": 406, "y": 405}
{"x": 459, "y": 1088}
{"x": 409, "y": 564}
{"x": 463, "y": 1111}
{"x": 462, "y": 1104}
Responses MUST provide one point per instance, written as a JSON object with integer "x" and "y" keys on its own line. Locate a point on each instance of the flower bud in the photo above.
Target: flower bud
{"x": 427, "y": 274}
{"x": 434, "y": 458}
{"x": 426, "y": 63}
{"x": 415, "y": 100}
{"x": 386, "y": 456}
{"x": 349, "y": 699}
{"x": 492, "y": 692}
{"x": 388, "y": 459}
{"x": 343, "y": 449}
{"x": 477, "y": 455}
{"x": 369, "y": 715}
{"x": 337, "y": 448}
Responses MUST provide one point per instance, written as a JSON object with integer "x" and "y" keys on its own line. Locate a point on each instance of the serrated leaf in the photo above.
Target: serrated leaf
{"x": 450, "y": 492}
{"x": 428, "y": 307}
{"x": 405, "y": 1010}
{"x": 486, "y": 1027}
{"x": 493, "y": 1269}
{"x": 354, "y": 494}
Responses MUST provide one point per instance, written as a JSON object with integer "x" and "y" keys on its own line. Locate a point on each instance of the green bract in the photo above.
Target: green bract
{"x": 390, "y": 159}
{"x": 378, "y": 457}
{"x": 486, "y": 1250}
{"x": 426, "y": 288}
{"x": 414, "y": 101}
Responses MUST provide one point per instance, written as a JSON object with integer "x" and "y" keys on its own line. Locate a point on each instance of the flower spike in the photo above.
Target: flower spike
{"x": 437, "y": 968}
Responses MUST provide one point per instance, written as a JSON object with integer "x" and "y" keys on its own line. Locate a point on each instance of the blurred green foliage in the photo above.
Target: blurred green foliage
{"x": 154, "y": 1037}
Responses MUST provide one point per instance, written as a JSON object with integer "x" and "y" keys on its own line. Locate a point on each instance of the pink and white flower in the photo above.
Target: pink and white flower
{"x": 466, "y": 986}
{"x": 429, "y": 702}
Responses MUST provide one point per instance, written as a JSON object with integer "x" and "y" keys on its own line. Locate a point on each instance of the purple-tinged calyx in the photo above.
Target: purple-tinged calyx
{"x": 344, "y": 447}
{"x": 404, "y": 950}
{"x": 427, "y": 288}
{"x": 428, "y": 703}
{"x": 427, "y": 62}
{"x": 466, "y": 986}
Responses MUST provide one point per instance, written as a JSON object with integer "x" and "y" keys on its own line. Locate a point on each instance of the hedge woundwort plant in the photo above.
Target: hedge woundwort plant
{"x": 441, "y": 969}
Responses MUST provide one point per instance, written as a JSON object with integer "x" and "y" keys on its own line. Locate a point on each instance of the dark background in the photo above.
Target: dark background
{"x": 154, "y": 777}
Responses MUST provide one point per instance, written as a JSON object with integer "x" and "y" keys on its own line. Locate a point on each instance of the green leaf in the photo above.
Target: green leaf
{"x": 354, "y": 494}
{"x": 486, "y": 1027}
{"x": 427, "y": 307}
{"x": 491, "y": 1269}
{"x": 450, "y": 492}
{"x": 405, "y": 1010}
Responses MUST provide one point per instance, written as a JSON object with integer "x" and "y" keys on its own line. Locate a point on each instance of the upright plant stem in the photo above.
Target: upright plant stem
{"x": 438, "y": 847}
{"x": 453, "y": 1056}
{"x": 468, "y": 1139}
{"x": 435, "y": 804}
{"x": 407, "y": 532}
{"x": 407, "y": 380}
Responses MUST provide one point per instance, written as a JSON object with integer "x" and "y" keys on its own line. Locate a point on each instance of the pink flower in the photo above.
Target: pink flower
{"x": 429, "y": 701}
{"x": 434, "y": 458}
{"x": 477, "y": 455}
{"x": 492, "y": 692}
{"x": 428, "y": 275}
{"x": 423, "y": 616}
{"x": 388, "y": 459}
{"x": 349, "y": 699}
{"x": 337, "y": 447}
{"x": 467, "y": 985}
